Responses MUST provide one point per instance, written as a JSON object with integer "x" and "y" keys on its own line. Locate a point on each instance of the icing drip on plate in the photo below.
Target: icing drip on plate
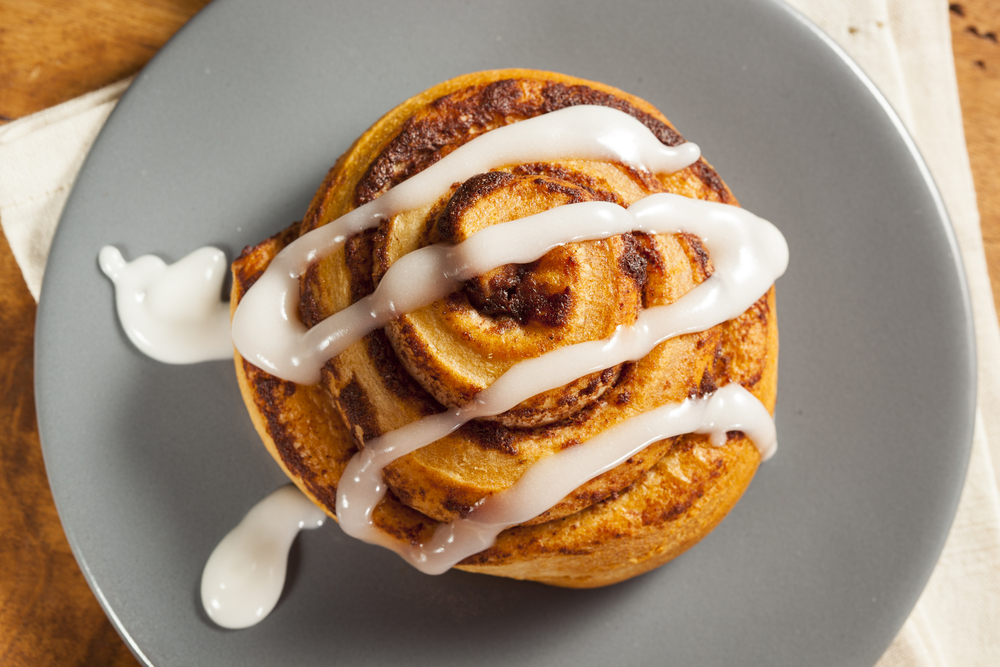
{"x": 243, "y": 577}
{"x": 172, "y": 313}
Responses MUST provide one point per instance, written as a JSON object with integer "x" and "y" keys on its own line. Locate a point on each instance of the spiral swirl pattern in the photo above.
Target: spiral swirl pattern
{"x": 441, "y": 356}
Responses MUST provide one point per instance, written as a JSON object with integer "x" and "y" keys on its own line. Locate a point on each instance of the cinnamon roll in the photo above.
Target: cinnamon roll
{"x": 441, "y": 363}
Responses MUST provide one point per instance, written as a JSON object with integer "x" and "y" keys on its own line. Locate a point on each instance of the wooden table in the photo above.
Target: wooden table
{"x": 54, "y": 50}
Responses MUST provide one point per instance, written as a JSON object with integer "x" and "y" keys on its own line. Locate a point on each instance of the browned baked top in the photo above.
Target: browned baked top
{"x": 442, "y": 355}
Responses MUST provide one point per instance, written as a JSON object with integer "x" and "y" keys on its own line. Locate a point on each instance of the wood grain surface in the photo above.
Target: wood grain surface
{"x": 975, "y": 34}
{"x": 54, "y": 50}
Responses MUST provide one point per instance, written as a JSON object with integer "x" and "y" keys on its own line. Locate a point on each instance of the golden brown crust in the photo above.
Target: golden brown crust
{"x": 620, "y": 524}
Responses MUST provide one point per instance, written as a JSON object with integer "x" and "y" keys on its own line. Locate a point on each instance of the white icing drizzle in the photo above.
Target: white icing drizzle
{"x": 243, "y": 577}
{"x": 266, "y": 328}
{"x": 548, "y": 481}
{"x": 174, "y": 314}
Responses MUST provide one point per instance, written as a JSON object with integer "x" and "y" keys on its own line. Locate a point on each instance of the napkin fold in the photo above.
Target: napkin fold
{"x": 904, "y": 46}
{"x": 40, "y": 156}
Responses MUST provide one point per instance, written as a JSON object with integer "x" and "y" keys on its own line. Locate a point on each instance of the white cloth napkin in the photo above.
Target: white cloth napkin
{"x": 905, "y": 48}
{"x": 40, "y": 156}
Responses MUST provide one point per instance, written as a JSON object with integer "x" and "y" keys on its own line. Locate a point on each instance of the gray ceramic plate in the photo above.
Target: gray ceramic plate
{"x": 223, "y": 139}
